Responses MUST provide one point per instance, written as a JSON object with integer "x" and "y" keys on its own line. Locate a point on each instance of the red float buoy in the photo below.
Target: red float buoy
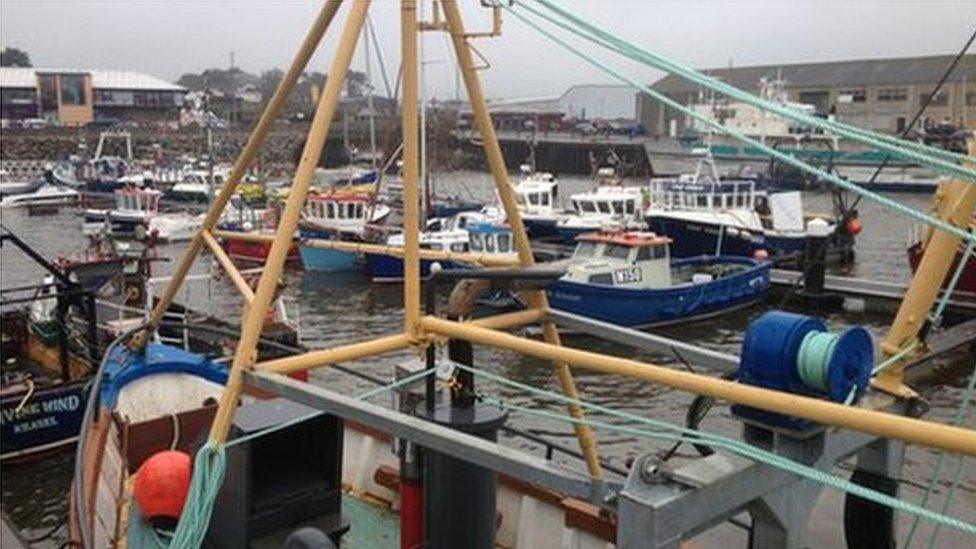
{"x": 161, "y": 486}
{"x": 854, "y": 226}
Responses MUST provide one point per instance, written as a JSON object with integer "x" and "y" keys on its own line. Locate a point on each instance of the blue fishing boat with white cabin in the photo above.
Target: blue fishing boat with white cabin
{"x": 628, "y": 278}
{"x": 465, "y": 232}
{"x": 341, "y": 214}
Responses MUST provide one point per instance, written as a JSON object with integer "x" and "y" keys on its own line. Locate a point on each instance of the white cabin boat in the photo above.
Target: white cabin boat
{"x": 609, "y": 204}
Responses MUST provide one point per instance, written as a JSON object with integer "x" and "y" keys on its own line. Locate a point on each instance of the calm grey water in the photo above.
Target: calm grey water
{"x": 337, "y": 309}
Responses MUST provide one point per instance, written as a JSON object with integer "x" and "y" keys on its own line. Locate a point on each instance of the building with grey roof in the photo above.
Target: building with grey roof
{"x": 876, "y": 94}
{"x": 75, "y": 97}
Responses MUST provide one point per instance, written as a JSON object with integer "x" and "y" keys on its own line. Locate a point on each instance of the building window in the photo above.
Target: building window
{"x": 940, "y": 99}
{"x": 72, "y": 89}
{"x": 49, "y": 93}
{"x": 971, "y": 99}
{"x": 892, "y": 94}
{"x": 852, "y": 96}
{"x": 15, "y": 96}
{"x": 114, "y": 98}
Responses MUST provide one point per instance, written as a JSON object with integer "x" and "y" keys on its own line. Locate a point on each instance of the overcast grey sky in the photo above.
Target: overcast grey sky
{"x": 169, "y": 37}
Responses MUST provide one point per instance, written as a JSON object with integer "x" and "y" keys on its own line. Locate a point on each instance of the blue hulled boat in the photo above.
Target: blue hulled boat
{"x": 628, "y": 278}
{"x": 339, "y": 214}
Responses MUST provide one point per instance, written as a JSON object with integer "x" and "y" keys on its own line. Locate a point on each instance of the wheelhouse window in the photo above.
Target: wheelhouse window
{"x": 656, "y": 251}
{"x": 459, "y": 247}
{"x": 505, "y": 242}
{"x": 586, "y": 207}
{"x": 629, "y": 207}
{"x": 477, "y": 242}
{"x": 617, "y": 251}
{"x": 585, "y": 249}
{"x": 534, "y": 199}
{"x": 604, "y": 207}
{"x": 544, "y": 199}
{"x": 702, "y": 201}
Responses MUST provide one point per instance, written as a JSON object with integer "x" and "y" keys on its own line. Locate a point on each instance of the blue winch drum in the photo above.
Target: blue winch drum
{"x": 770, "y": 348}
{"x": 795, "y": 353}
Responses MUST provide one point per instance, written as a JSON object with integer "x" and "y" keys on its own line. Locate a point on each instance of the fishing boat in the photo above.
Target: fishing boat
{"x": 610, "y": 203}
{"x": 345, "y": 214}
{"x": 241, "y": 216}
{"x": 706, "y": 214}
{"x": 628, "y": 278}
{"x": 538, "y": 203}
{"x": 10, "y": 186}
{"x": 466, "y": 231}
{"x": 49, "y": 340}
{"x": 134, "y": 208}
{"x": 44, "y": 195}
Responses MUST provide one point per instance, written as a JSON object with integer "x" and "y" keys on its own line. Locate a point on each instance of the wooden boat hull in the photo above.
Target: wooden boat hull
{"x": 114, "y": 449}
{"x": 651, "y": 307}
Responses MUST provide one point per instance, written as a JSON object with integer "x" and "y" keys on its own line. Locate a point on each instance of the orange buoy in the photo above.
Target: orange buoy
{"x": 162, "y": 483}
{"x": 854, "y": 226}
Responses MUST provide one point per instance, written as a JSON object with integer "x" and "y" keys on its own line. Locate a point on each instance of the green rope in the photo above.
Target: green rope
{"x": 208, "y": 474}
{"x": 783, "y": 157}
{"x": 894, "y": 358}
{"x": 732, "y": 445}
{"x": 923, "y": 154}
{"x": 816, "y": 350}
{"x": 933, "y": 480}
{"x": 951, "y": 288}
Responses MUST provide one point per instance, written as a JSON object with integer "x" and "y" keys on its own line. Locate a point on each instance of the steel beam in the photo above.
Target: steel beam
{"x": 644, "y": 340}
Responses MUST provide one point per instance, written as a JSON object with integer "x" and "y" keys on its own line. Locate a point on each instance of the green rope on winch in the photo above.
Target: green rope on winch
{"x": 813, "y": 358}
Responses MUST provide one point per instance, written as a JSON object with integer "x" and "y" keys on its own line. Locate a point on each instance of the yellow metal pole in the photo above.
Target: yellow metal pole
{"x": 927, "y": 433}
{"x": 335, "y": 355}
{"x": 536, "y": 300}
{"x": 926, "y": 285}
{"x": 229, "y": 267}
{"x": 254, "y": 315}
{"x": 258, "y": 134}
{"x": 411, "y": 157}
{"x": 488, "y": 260}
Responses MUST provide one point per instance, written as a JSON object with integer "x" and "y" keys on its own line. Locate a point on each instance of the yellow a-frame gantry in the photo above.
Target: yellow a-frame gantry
{"x": 420, "y": 331}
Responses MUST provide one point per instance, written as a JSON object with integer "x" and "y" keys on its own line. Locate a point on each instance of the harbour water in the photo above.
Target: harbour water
{"x": 343, "y": 308}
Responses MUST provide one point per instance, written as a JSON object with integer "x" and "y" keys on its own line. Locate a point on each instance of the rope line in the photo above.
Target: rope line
{"x": 933, "y": 480}
{"x": 938, "y": 159}
{"x": 783, "y": 157}
{"x": 661, "y": 428}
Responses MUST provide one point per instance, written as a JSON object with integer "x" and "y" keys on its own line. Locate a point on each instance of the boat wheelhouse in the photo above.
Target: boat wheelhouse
{"x": 466, "y": 231}
{"x": 628, "y": 278}
{"x": 708, "y": 215}
{"x": 340, "y": 214}
{"x": 602, "y": 207}
{"x": 134, "y": 207}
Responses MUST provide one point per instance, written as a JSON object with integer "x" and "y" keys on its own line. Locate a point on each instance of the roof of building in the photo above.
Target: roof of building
{"x": 862, "y": 72}
{"x": 18, "y": 77}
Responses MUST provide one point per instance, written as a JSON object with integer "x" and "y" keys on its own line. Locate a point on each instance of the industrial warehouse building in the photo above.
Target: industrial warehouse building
{"x": 877, "y": 94}
{"x": 72, "y": 97}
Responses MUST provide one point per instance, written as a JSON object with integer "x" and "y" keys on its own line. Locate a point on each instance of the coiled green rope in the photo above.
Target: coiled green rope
{"x": 812, "y": 360}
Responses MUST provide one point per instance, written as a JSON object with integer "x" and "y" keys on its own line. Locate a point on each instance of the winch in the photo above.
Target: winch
{"x": 798, "y": 354}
